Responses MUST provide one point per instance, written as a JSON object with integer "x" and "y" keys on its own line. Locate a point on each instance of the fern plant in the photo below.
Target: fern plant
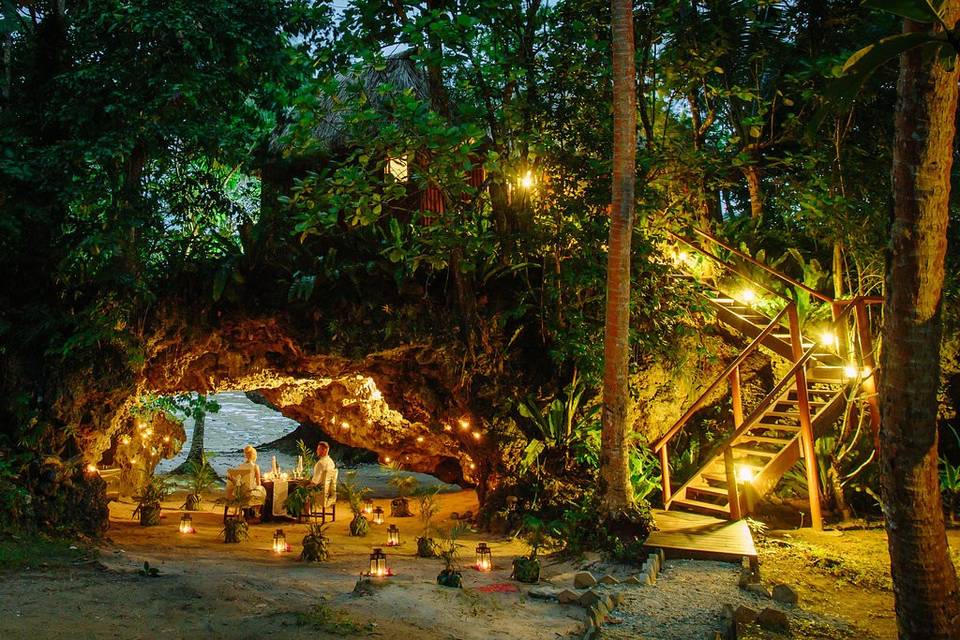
{"x": 449, "y": 552}
{"x": 405, "y": 484}
{"x": 350, "y": 488}
{"x": 149, "y": 499}
{"x": 200, "y": 477}
{"x": 315, "y": 544}
{"x": 950, "y": 483}
{"x": 429, "y": 506}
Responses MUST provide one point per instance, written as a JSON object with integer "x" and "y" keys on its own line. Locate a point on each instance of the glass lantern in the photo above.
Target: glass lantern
{"x": 484, "y": 557}
{"x": 367, "y": 506}
{"x": 393, "y": 536}
{"x": 378, "y": 563}
{"x": 186, "y": 524}
{"x": 279, "y": 541}
{"x": 378, "y": 516}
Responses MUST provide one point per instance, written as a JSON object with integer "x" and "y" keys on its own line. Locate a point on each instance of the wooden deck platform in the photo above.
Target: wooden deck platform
{"x": 690, "y": 535}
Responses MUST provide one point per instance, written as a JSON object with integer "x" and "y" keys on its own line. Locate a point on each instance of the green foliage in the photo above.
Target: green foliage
{"x": 404, "y": 483}
{"x": 201, "y": 477}
{"x": 298, "y": 500}
{"x": 339, "y": 624}
{"x": 235, "y": 529}
{"x": 950, "y": 482}
{"x": 448, "y": 549}
{"x": 149, "y": 572}
{"x": 152, "y": 492}
{"x": 429, "y": 504}
{"x": 354, "y": 493}
{"x": 315, "y": 544}
{"x": 308, "y": 456}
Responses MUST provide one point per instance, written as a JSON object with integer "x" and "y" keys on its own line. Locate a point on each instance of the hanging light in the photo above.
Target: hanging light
{"x": 280, "y": 542}
{"x": 744, "y": 473}
{"x": 464, "y": 423}
{"x": 484, "y": 557}
{"x": 186, "y": 524}
{"x": 378, "y": 516}
{"x": 851, "y": 371}
{"x": 367, "y": 506}
{"x": 748, "y": 295}
{"x": 92, "y": 469}
{"x": 393, "y": 536}
{"x": 828, "y": 339}
{"x": 378, "y": 563}
{"x": 526, "y": 180}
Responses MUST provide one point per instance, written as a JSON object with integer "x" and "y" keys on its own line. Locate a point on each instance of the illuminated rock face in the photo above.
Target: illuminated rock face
{"x": 401, "y": 403}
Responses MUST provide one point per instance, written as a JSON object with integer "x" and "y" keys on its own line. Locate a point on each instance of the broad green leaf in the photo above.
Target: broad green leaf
{"x": 916, "y": 10}
{"x": 866, "y": 60}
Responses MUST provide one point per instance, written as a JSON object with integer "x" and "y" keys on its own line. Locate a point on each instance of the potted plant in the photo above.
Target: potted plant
{"x": 405, "y": 484}
{"x": 200, "y": 477}
{"x": 355, "y": 494}
{"x": 307, "y": 457}
{"x": 450, "y": 576}
{"x": 154, "y": 490}
{"x": 315, "y": 544}
{"x": 297, "y": 501}
{"x": 235, "y": 526}
{"x": 527, "y": 568}
{"x": 429, "y": 505}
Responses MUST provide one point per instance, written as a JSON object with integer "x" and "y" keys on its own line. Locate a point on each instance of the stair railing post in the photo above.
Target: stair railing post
{"x": 843, "y": 338}
{"x": 733, "y": 496}
{"x": 869, "y": 381}
{"x": 665, "y": 474}
{"x": 806, "y": 425}
{"x": 735, "y": 395}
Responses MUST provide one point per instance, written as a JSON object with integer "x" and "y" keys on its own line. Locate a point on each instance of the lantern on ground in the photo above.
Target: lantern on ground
{"x": 378, "y": 516}
{"x": 279, "y": 541}
{"x": 367, "y": 506}
{"x": 393, "y": 536}
{"x": 186, "y": 524}
{"x": 378, "y": 563}
{"x": 484, "y": 557}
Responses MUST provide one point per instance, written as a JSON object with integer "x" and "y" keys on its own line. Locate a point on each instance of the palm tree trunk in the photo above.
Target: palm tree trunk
{"x": 615, "y": 489}
{"x": 924, "y": 578}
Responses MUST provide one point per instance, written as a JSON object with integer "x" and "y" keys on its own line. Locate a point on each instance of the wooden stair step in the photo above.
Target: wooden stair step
{"x": 750, "y": 451}
{"x": 704, "y": 506}
{"x": 749, "y": 437}
{"x": 720, "y": 492}
{"x": 778, "y": 427}
{"x": 783, "y": 414}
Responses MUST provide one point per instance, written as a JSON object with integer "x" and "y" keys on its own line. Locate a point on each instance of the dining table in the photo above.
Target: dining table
{"x": 277, "y": 491}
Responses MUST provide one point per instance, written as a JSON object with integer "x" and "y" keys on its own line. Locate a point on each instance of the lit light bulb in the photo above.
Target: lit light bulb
{"x": 91, "y": 468}
{"x": 473, "y": 466}
{"x": 386, "y": 458}
{"x": 526, "y": 181}
{"x": 748, "y": 295}
{"x": 419, "y": 438}
{"x": 476, "y": 435}
{"x": 464, "y": 424}
{"x": 447, "y": 427}
{"x": 345, "y": 424}
{"x": 828, "y": 338}
{"x": 850, "y": 371}
{"x": 744, "y": 473}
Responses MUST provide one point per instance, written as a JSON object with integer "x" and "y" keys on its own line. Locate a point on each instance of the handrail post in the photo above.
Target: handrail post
{"x": 665, "y": 471}
{"x": 843, "y": 339}
{"x": 869, "y": 381}
{"x": 806, "y": 425}
{"x": 733, "y": 497}
{"x": 735, "y": 395}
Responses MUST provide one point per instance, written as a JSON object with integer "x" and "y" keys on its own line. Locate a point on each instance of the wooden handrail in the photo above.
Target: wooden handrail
{"x": 776, "y": 274}
{"x": 678, "y": 425}
{"x": 726, "y": 265}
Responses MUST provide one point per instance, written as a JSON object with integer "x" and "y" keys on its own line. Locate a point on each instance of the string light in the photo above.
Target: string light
{"x": 464, "y": 423}
{"x": 419, "y": 438}
{"x": 476, "y": 435}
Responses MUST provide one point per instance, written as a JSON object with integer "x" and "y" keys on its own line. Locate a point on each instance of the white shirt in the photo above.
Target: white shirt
{"x": 322, "y": 471}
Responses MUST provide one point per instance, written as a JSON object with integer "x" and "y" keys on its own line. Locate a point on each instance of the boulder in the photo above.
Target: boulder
{"x": 633, "y": 580}
{"x": 773, "y": 620}
{"x": 589, "y": 598}
{"x": 785, "y": 593}
{"x": 608, "y": 579}
{"x": 544, "y": 593}
{"x": 568, "y": 597}
{"x": 758, "y": 589}
{"x": 584, "y": 580}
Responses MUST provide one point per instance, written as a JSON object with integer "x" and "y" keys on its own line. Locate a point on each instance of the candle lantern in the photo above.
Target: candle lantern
{"x": 186, "y": 524}
{"x": 378, "y": 516}
{"x": 279, "y": 541}
{"x": 367, "y": 506}
{"x": 378, "y": 563}
{"x": 393, "y": 536}
{"x": 484, "y": 557}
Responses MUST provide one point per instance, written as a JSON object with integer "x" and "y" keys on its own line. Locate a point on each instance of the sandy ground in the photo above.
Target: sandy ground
{"x": 209, "y": 589}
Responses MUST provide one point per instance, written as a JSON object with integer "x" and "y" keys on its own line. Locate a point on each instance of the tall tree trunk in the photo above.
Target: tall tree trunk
{"x": 615, "y": 488}
{"x": 752, "y": 174}
{"x": 924, "y": 579}
{"x": 196, "y": 441}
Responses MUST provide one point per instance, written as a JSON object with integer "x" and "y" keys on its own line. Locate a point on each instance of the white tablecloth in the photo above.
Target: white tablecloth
{"x": 280, "y": 487}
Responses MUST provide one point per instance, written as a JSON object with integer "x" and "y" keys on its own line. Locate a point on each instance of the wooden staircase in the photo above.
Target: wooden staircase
{"x": 804, "y": 403}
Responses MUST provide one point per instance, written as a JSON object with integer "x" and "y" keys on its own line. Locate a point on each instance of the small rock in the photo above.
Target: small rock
{"x": 608, "y": 579}
{"x": 745, "y": 615}
{"x": 584, "y": 580}
{"x": 785, "y": 594}
{"x": 543, "y": 593}
{"x": 773, "y": 620}
{"x": 617, "y": 598}
{"x": 651, "y": 580}
{"x": 633, "y": 580}
{"x": 746, "y": 578}
{"x": 568, "y": 597}
{"x": 758, "y": 589}
{"x": 589, "y": 598}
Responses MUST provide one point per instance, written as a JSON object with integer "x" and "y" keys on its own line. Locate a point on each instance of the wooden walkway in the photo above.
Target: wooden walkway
{"x": 690, "y": 535}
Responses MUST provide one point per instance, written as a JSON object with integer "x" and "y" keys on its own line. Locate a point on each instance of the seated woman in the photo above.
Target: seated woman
{"x": 249, "y": 472}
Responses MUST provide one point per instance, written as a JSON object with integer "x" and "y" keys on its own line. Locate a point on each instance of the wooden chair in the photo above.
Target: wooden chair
{"x": 325, "y": 503}
{"x": 111, "y": 475}
{"x": 254, "y": 500}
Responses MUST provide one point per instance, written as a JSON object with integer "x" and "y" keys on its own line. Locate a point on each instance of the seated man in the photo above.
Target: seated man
{"x": 325, "y": 479}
